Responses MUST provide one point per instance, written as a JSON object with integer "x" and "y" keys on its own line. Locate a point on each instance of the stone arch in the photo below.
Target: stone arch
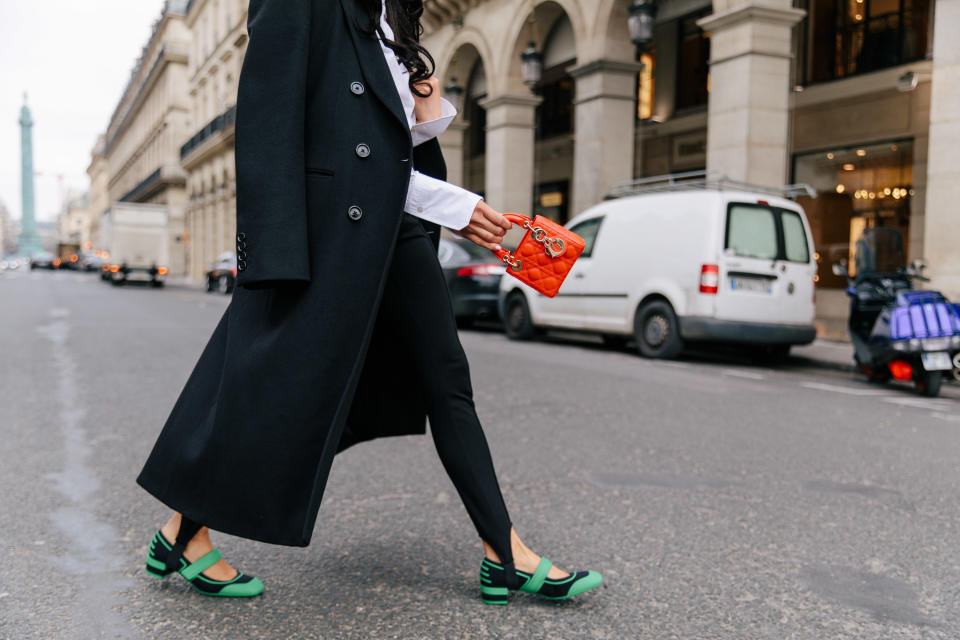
{"x": 610, "y": 37}
{"x": 507, "y": 78}
{"x": 464, "y": 41}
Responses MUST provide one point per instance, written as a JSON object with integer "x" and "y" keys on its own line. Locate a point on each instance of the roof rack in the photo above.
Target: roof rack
{"x": 710, "y": 179}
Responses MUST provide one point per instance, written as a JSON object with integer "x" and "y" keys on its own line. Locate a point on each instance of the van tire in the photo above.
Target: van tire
{"x": 517, "y": 322}
{"x": 657, "y": 331}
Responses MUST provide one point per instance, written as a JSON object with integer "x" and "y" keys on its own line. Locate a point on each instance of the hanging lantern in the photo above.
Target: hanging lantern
{"x": 454, "y": 93}
{"x": 531, "y": 65}
{"x": 640, "y": 22}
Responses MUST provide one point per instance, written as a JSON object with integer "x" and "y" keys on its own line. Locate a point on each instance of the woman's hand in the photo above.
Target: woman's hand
{"x": 486, "y": 228}
{"x": 429, "y": 108}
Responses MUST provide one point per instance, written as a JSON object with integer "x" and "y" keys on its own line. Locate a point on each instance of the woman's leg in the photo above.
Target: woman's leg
{"x": 417, "y": 304}
{"x": 198, "y": 546}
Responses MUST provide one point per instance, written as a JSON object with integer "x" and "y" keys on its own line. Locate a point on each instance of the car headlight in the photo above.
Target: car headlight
{"x": 900, "y": 346}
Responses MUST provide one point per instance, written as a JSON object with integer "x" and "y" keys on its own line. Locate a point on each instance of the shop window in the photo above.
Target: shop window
{"x": 551, "y": 200}
{"x": 693, "y": 63}
{"x": 645, "y": 86}
{"x": 848, "y": 37}
{"x": 857, "y": 188}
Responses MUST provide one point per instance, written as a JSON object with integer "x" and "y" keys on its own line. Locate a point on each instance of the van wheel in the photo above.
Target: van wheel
{"x": 657, "y": 331}
{"x": 928, "y": 383}
{"x": 517, "y": 322}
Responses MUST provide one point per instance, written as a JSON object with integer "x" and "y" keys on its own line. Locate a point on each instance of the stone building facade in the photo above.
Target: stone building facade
{"x": 219, "y": 44}
{"x": 138, "y": 158}
{"x": 835, "y": 93}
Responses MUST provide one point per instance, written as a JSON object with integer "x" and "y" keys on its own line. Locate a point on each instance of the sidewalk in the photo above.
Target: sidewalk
{"x": 827, "y": 354}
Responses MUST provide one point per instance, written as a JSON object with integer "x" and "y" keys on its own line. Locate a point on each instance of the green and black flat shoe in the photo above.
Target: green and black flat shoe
{"x": 494, "y": 584}
{"x": 162, "y": 560}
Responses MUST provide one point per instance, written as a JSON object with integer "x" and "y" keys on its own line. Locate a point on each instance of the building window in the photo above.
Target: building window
{"x": 474, "y": 113}
{"x": 693, "y": 63}
{"x": 556, "y": 110}
{"x": 848, "y": 37}
{"x": 645, "y": 86}
{"x": 858, "y": 188}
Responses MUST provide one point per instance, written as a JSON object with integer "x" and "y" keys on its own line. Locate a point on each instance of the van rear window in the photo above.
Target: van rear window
{"x": 768, "y": 233}
{"x": 794, "y": 237}
{"x": 752, "y": 232}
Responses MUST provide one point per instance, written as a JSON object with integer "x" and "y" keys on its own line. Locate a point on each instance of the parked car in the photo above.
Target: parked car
{"x": 473, "y": 278}
{"x": 223, "y": 274}
{"x": 707, "y": 264}
{"x": 45, "y": 260}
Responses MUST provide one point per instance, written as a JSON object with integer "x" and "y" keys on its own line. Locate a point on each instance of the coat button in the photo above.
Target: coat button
{"x": 241, "y": 236}
{"x": 354, "y": 213}
{"x": 356, "y": 88}
{"x": 241, "y": 265}
{"x": 363, "y": 150}
{"x": 241, "y": 245}
{"x": 242, "y": 255}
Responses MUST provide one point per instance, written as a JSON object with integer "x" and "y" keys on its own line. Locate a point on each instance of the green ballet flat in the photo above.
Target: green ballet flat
{"x": 495, "y": 586}
{"x": 162, "y": 560}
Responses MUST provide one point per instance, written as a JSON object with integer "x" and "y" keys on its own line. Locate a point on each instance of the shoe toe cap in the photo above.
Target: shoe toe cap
{"x": 592, "y": 580}
{"x": 243, "y": 589}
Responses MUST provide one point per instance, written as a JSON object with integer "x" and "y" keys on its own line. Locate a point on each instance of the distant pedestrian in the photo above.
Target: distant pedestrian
{"x": 341, "y": 328}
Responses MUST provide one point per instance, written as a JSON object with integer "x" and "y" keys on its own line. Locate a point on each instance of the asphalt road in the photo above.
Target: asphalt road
{"x": 718, "y": 498}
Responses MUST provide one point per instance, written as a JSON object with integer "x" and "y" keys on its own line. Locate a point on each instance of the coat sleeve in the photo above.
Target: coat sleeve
{"x": 272, "y": 245}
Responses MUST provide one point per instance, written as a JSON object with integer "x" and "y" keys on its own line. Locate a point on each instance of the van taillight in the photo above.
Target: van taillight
{"x": 709, "y": 278}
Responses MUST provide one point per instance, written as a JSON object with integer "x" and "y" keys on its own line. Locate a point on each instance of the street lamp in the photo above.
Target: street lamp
{"x": 640, "y": 22}
{"x": 531, "y": 65}
{"x": 454, "y": 93}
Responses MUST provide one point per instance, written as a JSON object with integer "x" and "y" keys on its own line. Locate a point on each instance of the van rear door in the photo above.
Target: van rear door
{"x": 766, "y": 274}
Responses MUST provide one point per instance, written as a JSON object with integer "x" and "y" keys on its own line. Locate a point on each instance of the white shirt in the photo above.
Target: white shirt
{"x": 427, "y": 198}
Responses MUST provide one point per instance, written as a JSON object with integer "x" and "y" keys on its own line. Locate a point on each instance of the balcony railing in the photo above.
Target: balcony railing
{"x": 131, "y": 195}
{"x": 215, "y": 126}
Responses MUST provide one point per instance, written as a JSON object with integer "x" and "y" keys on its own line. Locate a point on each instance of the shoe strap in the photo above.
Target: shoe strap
{"x": 188, "y": 529}
{"x": 194, "y": 569}
{"x": 539, "y": 576}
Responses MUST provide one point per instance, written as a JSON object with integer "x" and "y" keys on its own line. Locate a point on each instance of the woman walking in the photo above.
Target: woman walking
{"x": 340, "y": 329}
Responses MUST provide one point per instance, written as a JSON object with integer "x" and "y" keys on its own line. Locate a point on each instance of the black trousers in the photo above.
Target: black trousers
{"x": 416, "y": 303}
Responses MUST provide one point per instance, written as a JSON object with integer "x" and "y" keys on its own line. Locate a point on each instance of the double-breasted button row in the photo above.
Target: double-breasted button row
{"x": 355, "y": 213}
{"x": 241, "y": 251}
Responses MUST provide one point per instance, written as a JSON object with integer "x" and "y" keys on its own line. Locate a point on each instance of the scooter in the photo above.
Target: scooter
{"x": 898, "y": 332}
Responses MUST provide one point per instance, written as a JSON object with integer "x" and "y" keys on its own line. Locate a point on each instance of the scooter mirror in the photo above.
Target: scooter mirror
{"x": 840, "y": 269}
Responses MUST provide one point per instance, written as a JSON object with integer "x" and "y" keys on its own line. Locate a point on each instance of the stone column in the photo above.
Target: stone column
{"x": 605, "y": 121}
{"x": 510, "y": 151}
{"x": 942, "y": 219}
{"x": 451, "y": 141}
{"x": 750, "y": 57}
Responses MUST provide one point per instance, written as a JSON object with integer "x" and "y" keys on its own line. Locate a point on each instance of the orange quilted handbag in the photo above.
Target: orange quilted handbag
{"x": 545, "y": 255}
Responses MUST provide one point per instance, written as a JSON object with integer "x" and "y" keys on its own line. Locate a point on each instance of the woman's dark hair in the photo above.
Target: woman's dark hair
{"x": 404, "y": 18}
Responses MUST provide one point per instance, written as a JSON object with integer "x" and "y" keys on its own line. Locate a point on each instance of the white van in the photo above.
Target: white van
{"x": 708, "y": 263}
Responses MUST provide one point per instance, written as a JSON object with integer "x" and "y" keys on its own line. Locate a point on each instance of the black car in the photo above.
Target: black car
{"x": 473, "y": 278}
{"x": 223, "y": 273}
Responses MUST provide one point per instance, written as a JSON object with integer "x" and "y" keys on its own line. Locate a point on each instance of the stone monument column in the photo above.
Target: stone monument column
{"x": 29, "y": 241}
{"x": 942, "y": 216}
{"x": 747, "y": 115}
{"x": 510, "y": 151}
{"x": 605, "y": 117}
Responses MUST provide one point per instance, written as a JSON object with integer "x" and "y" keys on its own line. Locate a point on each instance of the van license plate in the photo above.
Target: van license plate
{"x": 938, "y": 361}
{"x": 759, "y": 285}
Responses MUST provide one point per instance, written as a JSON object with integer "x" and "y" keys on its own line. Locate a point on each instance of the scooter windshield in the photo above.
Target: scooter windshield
{"x": 879, "y": 252}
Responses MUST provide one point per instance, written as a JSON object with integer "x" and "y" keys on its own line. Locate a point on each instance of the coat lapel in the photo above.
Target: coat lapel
{"x": 374, "y": 66}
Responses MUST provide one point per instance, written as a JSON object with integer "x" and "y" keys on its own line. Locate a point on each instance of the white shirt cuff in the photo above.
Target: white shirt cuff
{"x": 441, "y": 202}
{"x": 423, "y": 131}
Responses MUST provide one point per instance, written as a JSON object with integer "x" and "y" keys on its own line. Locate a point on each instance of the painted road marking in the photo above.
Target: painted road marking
{"x": 749, "y": 375}
{"x": 822, "y": 386}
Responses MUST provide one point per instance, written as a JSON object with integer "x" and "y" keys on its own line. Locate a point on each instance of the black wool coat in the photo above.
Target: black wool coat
{"x": 298, "y": 369}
